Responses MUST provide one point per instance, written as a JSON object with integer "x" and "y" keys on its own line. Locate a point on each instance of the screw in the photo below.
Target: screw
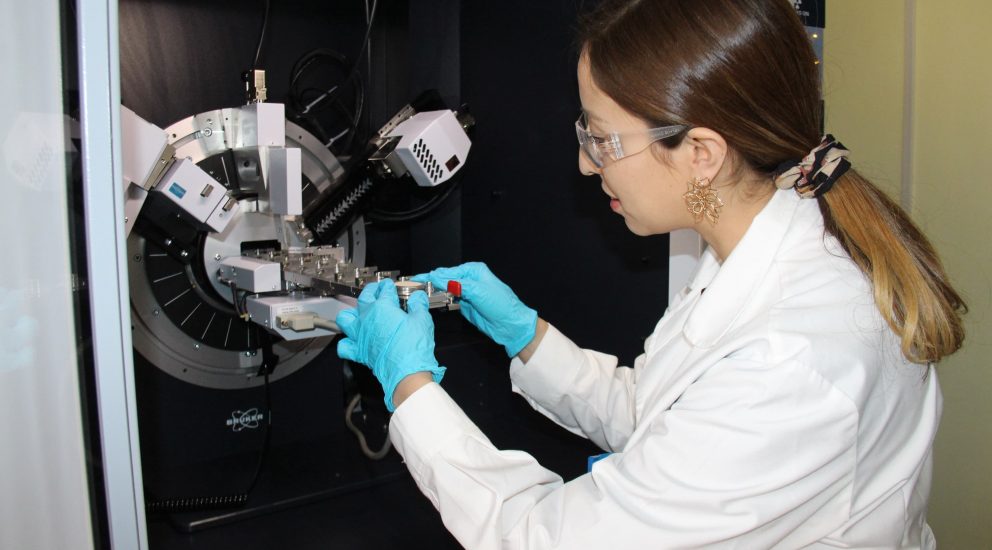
{"x": 155, "y": 312}
{"x": 137, "y": 257}
{"x": 168, "y": 242}
{"x": 184, "y": 253}
{"x": 196, "y": 346}
{"x": 217, "y": 257}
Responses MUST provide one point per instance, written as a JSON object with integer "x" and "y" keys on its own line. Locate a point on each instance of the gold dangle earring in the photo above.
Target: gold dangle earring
{"x": 702, "y": 200}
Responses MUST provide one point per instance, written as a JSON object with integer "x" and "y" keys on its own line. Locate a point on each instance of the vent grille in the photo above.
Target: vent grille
{"x": 427, "y": 160}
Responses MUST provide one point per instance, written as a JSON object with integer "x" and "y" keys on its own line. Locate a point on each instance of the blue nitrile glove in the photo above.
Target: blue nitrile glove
{"x": 488, "y": 304}
{"x": 392, "y": 342}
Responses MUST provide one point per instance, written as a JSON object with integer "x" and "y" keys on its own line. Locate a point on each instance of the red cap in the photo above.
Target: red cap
{"x": 455, "y": 288}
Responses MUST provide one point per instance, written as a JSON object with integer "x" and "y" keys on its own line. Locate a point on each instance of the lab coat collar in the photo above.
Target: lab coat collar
{"x": 729, "y": 288}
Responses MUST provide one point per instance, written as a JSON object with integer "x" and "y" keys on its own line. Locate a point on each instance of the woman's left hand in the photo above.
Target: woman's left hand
{"x": 392, "y": 342}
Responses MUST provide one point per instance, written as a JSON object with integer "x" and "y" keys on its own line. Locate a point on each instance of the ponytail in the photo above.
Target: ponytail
{"x": 746, "y": 69}
{"x": 910, "y": 286}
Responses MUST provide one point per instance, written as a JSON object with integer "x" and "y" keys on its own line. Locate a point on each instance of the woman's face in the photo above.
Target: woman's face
{"x": 643, "y": 189}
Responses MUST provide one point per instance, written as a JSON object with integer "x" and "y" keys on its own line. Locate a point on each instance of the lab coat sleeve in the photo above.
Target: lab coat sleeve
{"x": 480, "y": 491}
{"x": 745, "y": 459}
{"x": 582, "y": 390}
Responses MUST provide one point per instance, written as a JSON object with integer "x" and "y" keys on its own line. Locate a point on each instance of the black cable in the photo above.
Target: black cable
{"x": 305, "y": 104}
{"x": 268, "y": 432}
{"x": 320, "y": 97}
{"x": 368, "y": 36}
{"x": 386, "y": 216}
{"x": 240, "y": 304}
{"x": 353, "y": 117}
{"x": 353, "y": 73}
{"x": 300, "y": 67}
{"x": 366, "y": 46}
{"x": 234, "y": 297}
{"x": 261, "y": 35}
{"x": 368, "y": 58}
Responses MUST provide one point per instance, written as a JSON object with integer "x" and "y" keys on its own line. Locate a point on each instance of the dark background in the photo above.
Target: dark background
{"x": 522, "y": 207}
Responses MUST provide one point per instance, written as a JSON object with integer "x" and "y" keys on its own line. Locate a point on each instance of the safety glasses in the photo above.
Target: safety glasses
{"x": 601, "y": 150}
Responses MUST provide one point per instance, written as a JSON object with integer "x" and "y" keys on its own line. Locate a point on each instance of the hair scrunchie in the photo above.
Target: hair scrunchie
{"x": 816, "y": 173}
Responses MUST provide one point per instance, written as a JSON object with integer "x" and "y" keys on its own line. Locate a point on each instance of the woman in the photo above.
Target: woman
{"x": 786, "y": 399}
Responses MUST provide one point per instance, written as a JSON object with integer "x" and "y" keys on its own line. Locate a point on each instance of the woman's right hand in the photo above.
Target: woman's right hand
{"x": 488, "y": 304}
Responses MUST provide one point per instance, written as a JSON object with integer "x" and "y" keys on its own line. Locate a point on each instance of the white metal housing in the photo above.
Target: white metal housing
{"x": 433, "y": 146}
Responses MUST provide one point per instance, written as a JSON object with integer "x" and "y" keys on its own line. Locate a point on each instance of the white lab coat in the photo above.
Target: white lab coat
{"x": 773, "y": 410}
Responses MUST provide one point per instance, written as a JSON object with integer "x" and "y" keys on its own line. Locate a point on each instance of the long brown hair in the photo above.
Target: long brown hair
{"x": 746, "y": 69}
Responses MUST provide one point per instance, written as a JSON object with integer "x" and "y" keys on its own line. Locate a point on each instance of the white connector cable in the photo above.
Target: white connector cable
{"x": 300, "y": 321}
{"x": 374, "y": 455}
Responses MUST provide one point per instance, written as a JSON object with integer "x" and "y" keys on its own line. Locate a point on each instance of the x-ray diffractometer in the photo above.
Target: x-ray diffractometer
{"x": 245, "y": 232}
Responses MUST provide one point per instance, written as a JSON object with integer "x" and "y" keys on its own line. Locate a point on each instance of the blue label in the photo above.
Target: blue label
{"x": 177, "y": 190}
{"x": 594, "y": 459}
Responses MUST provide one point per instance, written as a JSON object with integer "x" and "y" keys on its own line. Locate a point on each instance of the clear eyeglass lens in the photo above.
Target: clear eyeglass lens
{"x": 599, "y": 149}
{"x": 588, "y": 142}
